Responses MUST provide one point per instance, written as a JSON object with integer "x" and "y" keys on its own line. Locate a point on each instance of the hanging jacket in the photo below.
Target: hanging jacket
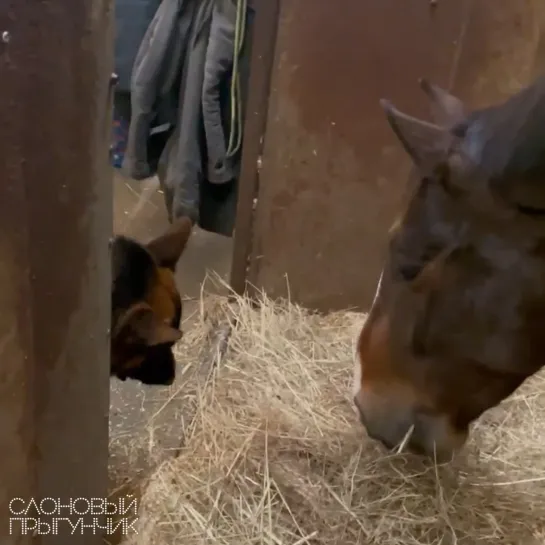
{"x": 181, "y": 80}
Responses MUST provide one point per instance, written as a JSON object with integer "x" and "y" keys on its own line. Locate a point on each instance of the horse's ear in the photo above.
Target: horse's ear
{"x": 427, "y": 144}
{"x": 447, "y": 110}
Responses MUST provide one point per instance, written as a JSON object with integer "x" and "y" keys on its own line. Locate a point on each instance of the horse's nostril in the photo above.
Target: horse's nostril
{"x": 409, "y": 272}
{"x": 382, "y": 440}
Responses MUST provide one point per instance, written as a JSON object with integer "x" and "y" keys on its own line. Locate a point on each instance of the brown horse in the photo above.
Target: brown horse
{"x": 457, "y": 323}
{"x": 146, "y": 305}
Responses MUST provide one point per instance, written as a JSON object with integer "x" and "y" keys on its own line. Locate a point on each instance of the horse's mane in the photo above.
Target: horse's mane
{"x": 507, "y": 141}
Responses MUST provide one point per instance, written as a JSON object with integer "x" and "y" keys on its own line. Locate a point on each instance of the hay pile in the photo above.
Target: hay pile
{"x": 276, "y": 455}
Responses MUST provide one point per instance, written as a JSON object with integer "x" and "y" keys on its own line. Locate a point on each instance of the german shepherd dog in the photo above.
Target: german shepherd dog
{"x": 146, "y": 305}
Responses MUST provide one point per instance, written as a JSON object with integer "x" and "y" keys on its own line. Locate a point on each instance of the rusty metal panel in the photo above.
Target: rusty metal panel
{"x": 333, "y": 177}
{"x": 55, "y": 222}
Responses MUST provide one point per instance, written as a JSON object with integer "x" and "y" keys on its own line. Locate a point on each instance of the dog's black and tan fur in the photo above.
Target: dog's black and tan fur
{"x": 146, "y": 305}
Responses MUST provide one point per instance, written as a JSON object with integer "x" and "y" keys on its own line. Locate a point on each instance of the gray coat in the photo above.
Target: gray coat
{"x": 179, "y": 79}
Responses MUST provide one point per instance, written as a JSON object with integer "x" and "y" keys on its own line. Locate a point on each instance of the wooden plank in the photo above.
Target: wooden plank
{"x": 55, "y": 223}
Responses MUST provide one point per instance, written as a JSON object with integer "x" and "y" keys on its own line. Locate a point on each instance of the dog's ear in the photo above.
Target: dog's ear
{"x": 140, "y": 325}
{"x": 168, "y": 247}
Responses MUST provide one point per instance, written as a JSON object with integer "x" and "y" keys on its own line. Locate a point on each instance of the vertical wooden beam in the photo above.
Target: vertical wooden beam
{"x": 55, "y": 222}
{"x": 262, "y": 57}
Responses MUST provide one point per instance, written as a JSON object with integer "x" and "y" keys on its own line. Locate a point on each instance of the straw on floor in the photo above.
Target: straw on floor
{"x": 276, "y": 455}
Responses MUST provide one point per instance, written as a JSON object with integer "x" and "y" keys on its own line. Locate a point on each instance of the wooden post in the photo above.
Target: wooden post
{"x": 55, "y": 222}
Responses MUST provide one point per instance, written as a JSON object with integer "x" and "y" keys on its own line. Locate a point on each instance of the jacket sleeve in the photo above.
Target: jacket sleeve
{"x": 217, "y": 71}
{"x": 145, "y": 85}
{"x": 184, "y": 172}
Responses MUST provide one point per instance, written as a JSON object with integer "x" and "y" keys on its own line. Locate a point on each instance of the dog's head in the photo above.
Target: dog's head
{"x": 146, "y": 305}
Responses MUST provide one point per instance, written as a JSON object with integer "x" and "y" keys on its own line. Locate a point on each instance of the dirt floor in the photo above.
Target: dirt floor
{"x": 132, "y": 406}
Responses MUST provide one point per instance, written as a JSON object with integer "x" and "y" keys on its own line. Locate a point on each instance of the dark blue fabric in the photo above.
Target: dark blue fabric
{"x": 132, "y": 18}
{"x": 120, "y": 130}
